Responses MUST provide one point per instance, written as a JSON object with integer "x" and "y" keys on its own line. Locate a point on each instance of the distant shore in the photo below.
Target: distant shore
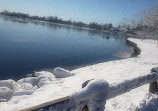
{"x": 45, "y": 22}
{"x": 107, "y": 27}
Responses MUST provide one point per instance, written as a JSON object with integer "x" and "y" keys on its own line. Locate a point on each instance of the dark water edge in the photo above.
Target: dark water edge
{"x": 93, "y": 34}
{"x": 136, "y": 49}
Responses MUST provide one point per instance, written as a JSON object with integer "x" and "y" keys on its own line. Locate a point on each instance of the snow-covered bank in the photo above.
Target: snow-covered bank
{"x": 113, "y": 72}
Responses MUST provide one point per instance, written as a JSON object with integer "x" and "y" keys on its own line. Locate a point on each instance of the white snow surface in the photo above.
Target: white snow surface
{"x": 30, "y": 92}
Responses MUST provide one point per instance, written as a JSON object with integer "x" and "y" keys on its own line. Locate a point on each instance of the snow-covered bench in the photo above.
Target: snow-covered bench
{"x": 93, "y": 97}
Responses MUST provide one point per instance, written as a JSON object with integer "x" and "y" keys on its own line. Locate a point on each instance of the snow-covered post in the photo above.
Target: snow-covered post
{"x": 153, "y": 87}
{"x": 93, "y": 96}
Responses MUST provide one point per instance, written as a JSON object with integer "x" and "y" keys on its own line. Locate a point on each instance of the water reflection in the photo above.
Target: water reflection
{"x": 54, "y": 26}
{"x": 31, "y": 45}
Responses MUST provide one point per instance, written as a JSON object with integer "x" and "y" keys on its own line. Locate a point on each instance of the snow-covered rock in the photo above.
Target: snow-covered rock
{"x": 11, "y": 84}
{"x": 31, "y": 80}
{"x": 42, "y": 78}
{"x": 25, "y": 89}
{"x": 61, "y": 73}
{"x": 45, "y": 74}
{"x": 26, "y": 86}
{"x": 5, "y": 94}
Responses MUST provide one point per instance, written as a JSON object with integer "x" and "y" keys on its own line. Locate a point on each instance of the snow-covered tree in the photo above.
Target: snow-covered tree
{"x": 147, "y": 25}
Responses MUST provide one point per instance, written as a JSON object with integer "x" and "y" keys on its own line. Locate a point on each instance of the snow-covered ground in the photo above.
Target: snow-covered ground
{"x": 46, "y": 86}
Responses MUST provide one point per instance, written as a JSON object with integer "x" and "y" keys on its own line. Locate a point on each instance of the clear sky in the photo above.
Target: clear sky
{"x": 100, "y": 11}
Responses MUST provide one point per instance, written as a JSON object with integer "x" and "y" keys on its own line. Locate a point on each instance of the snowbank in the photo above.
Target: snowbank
{"x": 150, "y": 103}
{"x": 5, "y": 93}
{"x": 11, "y": 84}
{"x": 113, "y": 72}
{"x": 31, "y": 80}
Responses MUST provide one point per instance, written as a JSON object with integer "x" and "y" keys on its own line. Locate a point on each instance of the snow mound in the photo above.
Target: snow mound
{"x": 25, "y": 89}
{"x": 5, "y": 94}
{"x": 26, "y": 86}
{"x": 42, "y": 78}
{"x": 61, "y": 73}
{"x": 31, "y": 80}
{"x": 149, "y": 103}
{"x": 11, "y": 84}
{"x": 45, "y": 74}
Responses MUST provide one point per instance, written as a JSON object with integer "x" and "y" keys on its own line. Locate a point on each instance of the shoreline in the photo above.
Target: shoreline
{"x": 136, "y": 49}
{"x": 112, "y": 71}
{"x": 30, "y": 21}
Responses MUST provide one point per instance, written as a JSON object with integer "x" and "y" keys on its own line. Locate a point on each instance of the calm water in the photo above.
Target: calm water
{"x": 25, "y": 47}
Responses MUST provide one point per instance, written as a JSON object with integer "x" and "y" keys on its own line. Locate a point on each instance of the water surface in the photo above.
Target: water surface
{"x": 27, "y": 47}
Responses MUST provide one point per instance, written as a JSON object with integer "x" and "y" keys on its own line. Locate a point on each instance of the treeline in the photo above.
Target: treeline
{"x": 51, "y": 19}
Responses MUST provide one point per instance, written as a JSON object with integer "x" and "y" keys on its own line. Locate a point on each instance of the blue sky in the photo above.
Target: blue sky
{"x": 101, "y": 11}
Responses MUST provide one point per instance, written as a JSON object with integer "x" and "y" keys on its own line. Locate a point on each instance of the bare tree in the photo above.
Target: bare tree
{"x": 147, "y": 25}
{"x": 144, "y": 24}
